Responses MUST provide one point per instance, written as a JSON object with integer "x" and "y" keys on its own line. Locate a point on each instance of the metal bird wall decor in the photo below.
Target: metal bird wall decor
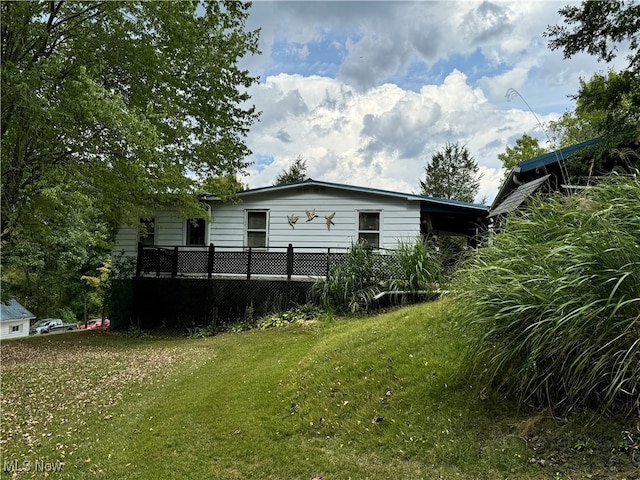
{"x": 329, "y": 219}
{"x": 292, "y": 220}
{"x": 311, "y": 214}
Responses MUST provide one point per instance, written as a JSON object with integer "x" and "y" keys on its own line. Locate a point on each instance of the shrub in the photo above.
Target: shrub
{"x": 552, "y": 310}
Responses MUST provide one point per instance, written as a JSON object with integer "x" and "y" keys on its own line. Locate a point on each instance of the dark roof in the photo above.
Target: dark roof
{"x": 377, "y": 191}
{"x": 515, "y": 198}
{"x": 529, "y": 168}
{"x": 12, "y": 310}
{"x": 555, "y": 156}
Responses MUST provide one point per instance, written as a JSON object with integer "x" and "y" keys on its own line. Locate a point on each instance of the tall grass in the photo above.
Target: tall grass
{"x": 349, "y": 285}
{"x": 419, "y": 267}
{"x": 553, "y": 308}
{"x": 353, "y": 285}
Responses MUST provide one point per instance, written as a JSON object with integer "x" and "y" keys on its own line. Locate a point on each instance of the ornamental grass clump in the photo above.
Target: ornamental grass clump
{"x": 419, "y": 267}
{"x": 353, "y": 285}
{"x": 552, "y": 309}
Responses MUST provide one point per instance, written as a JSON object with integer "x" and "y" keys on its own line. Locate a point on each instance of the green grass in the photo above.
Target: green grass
{"x": 374, "y": 397}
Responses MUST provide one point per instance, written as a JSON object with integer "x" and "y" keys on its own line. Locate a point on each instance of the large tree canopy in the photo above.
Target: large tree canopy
{"x": 452, "y": 173}
{"x": 128, "y": 102}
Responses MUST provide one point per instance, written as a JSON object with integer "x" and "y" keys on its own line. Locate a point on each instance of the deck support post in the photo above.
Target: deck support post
{"x": 210, "y": 259}
{"x": 289, "y": 262}
{"x": 249, "y": 265}
{"x": 174, "y": 263}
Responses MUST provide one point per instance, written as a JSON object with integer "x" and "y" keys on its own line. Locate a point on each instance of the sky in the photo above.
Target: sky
{"x": 367, "y": 92}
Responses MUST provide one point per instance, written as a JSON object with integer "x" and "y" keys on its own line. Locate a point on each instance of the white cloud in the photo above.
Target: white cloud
{"x": 383, "y": 137}
{"x": 362, "y": 127}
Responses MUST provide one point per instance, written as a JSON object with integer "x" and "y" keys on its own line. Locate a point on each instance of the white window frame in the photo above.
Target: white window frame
{"x": 247, "y": 230}
{"x": 379, "y": 231}
{"x": 186, "y": 233}
{"x": 16, "y": 328}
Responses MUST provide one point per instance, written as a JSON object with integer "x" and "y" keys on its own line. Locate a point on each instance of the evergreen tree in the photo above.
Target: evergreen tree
{"x": 295, "y": 173}
{"x": 451, "y": 174}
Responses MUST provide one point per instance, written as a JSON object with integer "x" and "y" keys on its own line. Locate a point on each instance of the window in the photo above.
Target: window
{"x": 369, "y": 228}
{"x": 256, "y": 228}
{"x": 196, "y": 228}
{"x": 15, "y": 328}
{"x": 148, "y": 231}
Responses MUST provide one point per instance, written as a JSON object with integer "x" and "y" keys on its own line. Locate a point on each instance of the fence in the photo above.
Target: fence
{"x": 246, "y": 262}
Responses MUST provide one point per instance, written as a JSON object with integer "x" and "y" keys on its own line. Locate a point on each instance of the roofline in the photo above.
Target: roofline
{"x": 532, "y": 163}
{"x": 556, "y": 155}
{"x": 355, "y": 188}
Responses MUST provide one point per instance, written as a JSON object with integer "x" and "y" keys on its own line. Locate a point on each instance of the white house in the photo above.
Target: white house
{"x": 14, "y": 320}
{"x": 313, "y": 215}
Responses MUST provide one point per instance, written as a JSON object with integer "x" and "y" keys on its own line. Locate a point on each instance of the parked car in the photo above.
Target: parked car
{"x": 95, "y": 323}
{"x": 49, "y": 325}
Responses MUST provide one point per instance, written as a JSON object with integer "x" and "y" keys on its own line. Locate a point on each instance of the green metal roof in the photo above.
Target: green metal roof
{"x": 555, "y": 156}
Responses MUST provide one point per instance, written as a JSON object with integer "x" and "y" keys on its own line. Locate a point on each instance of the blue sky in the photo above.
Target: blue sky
{"x": 367, "y": 92}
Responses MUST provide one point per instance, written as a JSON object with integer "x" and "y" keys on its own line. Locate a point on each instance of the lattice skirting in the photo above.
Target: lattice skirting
{"x": 183, "y": 303}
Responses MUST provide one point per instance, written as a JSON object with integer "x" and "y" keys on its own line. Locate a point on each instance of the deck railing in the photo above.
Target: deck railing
{"x": 233, "y": 261}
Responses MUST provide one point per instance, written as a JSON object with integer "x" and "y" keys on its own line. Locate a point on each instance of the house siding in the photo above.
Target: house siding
{"x": 7, "y": 325}
{"x": 170, "y": 231}
{"x": 399, "y": 218}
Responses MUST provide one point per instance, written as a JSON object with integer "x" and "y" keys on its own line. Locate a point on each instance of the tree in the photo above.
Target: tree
{"x": 570, "y": 129}
{"x": 127, "y": 101}
{"x": 526, "y": 147}
{"x": 295, "y": 173}
{"x": 610, "y": 103}
{"x": 109, "y": 109}
{"x": 452, "y": 174}
{"x": 224, "y": 187}
{"x": 598, "y": 27}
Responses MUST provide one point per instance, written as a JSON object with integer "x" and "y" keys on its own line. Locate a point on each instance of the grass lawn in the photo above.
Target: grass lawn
{"x": 379, "y": 397}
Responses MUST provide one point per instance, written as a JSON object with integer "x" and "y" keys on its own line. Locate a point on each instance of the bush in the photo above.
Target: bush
{"x": 553, "y": 308}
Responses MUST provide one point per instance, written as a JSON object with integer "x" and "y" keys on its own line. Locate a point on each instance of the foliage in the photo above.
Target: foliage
{"x": 100, "y": 283}
{"x": 110, "y": 109}
{"x": 106, "y": 99}
{"x": 553, "y": 308}
{"x": 598, "y": 28}
{"x": 297, "y": 172}
{"x": 225, "y": 187}
{"x": 352, "y": 285}
{"x": 526, "y": 147}
{"x": 610, "y": 104}
{"x": 452, "y": 173}
{"x": 419, "y": 267}
{"x": 303, "y": 313}
{"x": 42, "y": 266}
{"x": 202, "y": 332}
{"x": 348, "y": 285}
{"x": 570, "y": 129}
{"x": 119, "y": 294}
